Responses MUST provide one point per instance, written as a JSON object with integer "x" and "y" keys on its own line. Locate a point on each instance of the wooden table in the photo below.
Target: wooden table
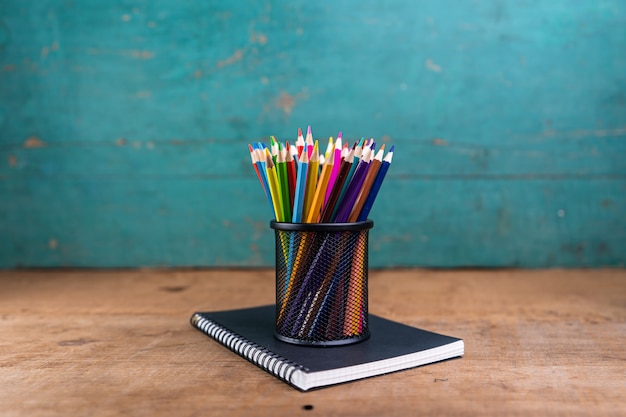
{"x": 114, "y": 343}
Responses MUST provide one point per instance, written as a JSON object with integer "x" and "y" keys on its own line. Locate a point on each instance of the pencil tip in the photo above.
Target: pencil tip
{"x": 299, "y": 132}
{"x": 308, "y": 131}
{"x": 391, "y": 150}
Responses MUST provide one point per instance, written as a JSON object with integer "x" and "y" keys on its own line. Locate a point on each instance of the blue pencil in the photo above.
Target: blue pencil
{"x": 298, "y": 201}
{"x": 365, "y": 211}
{"x": 260, "y": 163}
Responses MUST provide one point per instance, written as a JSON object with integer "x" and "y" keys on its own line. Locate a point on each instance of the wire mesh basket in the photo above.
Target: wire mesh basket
{"x": 321, "y": 282}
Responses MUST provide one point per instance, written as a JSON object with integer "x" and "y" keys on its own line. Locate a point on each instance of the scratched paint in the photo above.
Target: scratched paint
{"x": 123, "y": 127}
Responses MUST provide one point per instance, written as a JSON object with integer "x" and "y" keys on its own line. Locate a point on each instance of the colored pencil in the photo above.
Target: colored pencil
{"x": 273, "y": 148}
{"x": 283, "y": 181}
{"x": 336, "y": 166}
{"x": 291, "y": 173}
{"x": 367, "y": 185}
{"x": 309, "y": 141}
{"x": 353, "y": 319}
{"x": 323, "y": 287}
{"x": 294, "y": 154}
{"x": 358, "y": 150}
{"x": 300, "y": 144}
{"x": 323, "y": 295}
{"x": 378, "y": 182}
{"x": 355, "y": 185}
{"x": 273, "y": 183}
{"x": 298, "y": 204}
{"x": 311, "y": 183}
{"x": 337, "y": 185}
{"x": 329, "y": 207}
{"x": 259, "y": 168}
{"x": 256, "y": 168}
{"x": 320, "y": 192}
{"x": 329, "y": 148}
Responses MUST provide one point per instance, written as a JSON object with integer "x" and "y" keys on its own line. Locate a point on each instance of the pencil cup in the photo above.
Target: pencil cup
{"x": 321, "y": 282}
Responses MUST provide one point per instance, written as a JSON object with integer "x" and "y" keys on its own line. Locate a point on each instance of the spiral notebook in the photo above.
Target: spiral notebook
{"x": 391, "y": 347}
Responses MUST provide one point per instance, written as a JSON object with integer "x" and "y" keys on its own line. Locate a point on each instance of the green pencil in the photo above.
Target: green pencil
{"x": 281, "y": 164}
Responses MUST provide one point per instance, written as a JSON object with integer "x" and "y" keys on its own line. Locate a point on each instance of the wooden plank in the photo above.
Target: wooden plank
{"x": 192, "y": 221}
{"x": 553, "y": 155}
{"x": 444, "y": 69}
{"x": 504, "y": 113}
{"x": 202, "y": 71}
{"x": 546, "y": 343}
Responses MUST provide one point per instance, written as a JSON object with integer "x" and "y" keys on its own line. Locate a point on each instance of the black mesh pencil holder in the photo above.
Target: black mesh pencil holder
{"x": 321, "y": 282}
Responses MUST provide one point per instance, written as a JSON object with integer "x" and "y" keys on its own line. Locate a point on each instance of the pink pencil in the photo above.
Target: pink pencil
{"x": 335, "y": 171}
{"x": 309, "y": 142}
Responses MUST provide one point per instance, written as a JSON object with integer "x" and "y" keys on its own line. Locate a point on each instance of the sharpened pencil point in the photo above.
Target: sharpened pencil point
{"x": 301, "y": 164}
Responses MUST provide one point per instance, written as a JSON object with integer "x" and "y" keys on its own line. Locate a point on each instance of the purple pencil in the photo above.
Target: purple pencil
{"x": 345, "y": 206}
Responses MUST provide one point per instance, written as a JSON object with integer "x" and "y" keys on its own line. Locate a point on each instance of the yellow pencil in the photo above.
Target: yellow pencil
{"x": 272, "y": 178}
{"x": 320, "y": 191}
{"x": 329, "y": 148}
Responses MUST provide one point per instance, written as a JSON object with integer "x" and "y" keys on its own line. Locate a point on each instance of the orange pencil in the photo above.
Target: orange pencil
{"x": 367, "y": 185}
{"x": 353, "y": 322}
{"x": 320, "y": 192}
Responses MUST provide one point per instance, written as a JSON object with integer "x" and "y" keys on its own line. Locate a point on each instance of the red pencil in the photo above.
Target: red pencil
{"x": 256, "y": 168}
{"x": 300, "y": 143}
{"x": 291, "y": 173}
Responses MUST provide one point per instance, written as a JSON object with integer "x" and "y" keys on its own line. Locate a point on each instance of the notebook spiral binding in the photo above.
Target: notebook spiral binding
{"x": 278, "y": 366}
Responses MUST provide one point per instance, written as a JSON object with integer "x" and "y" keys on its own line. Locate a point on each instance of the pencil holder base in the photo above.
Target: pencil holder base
{"x": 328, "y": 343}
{"x": 321, "y": 283}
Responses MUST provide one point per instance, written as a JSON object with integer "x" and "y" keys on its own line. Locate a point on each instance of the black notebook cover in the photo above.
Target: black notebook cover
{"x": 392, "y": 347}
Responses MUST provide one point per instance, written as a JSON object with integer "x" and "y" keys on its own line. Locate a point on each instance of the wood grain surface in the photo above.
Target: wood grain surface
{"x": 110, "y": 343}
{"x": 124, "y": 127}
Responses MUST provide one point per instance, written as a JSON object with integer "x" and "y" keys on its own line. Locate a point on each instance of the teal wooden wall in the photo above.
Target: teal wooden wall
{"x": 124, "y": 125}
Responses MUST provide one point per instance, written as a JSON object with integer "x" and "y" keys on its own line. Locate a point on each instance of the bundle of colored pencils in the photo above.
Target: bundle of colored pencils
{"x": 304, "y": 185}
